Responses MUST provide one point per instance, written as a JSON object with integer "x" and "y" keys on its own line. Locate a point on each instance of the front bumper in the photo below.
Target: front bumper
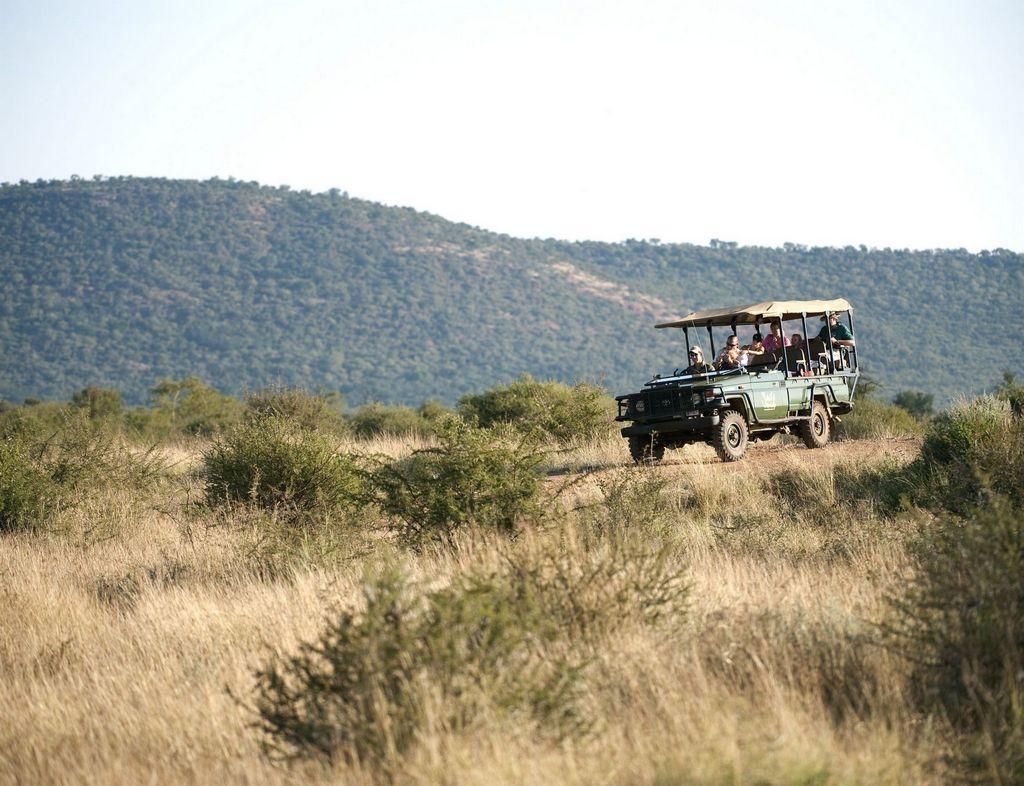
{"x": 674, "y": 426}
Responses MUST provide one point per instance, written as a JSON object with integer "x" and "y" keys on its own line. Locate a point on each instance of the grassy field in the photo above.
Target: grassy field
{"x": 135, "y": 623}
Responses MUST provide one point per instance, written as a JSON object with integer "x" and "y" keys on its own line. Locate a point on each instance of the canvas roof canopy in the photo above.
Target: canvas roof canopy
{"x": 759, "y": 312}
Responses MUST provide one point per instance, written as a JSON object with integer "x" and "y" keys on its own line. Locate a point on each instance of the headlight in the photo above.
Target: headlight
{"x": 639, "y": 405}
{"x": 711, "y": 393}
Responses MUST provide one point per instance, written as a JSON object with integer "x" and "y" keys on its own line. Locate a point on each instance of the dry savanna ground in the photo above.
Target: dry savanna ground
{"x": 131, "y": 632}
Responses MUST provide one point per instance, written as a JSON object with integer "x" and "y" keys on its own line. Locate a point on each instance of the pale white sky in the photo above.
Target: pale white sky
{"x": 827, "y": 123}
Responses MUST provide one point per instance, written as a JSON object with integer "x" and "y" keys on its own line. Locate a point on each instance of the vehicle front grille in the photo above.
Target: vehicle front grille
{"x": 663, "y": 402}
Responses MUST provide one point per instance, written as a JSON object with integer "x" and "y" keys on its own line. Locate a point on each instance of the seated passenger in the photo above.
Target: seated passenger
{"x": 729, "y": 357}
{"x": 774, "y": 342}
{"x": 697, "y": 364}
{"x": 756, "y": 345}
{"x": 841, "y": 335}
{"x": 797, "y": 342}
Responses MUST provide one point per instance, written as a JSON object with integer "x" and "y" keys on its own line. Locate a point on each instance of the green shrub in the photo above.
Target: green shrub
{"x": 99, "y": 403}
{"x": 961, "y": 624}
{"x": 39, "y": 421}
{"x": 41, "y": 472}
{"x": 558, "y": 411}
{"x": 27, "y": 493}
{"x": 920, "y": 405}
{"x": 376, "y": 419}
{"x": 433, "y": 411}
{"x": 475, "y": 477}
{"x": 965, "y": 432}
{"x": 1012, "y": 391}
{"x": 150, "y": 425}
{"x": 274, "y": 464}
{"x": 364, "y": 689}
{"x": 308, "y": 411}
{"x": 874, "y": 419}
{"x": 194, "y": 408}
{"x": 971, "y": 445}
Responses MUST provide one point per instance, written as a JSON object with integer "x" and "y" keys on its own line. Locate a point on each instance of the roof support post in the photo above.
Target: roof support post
{"x": 686, "y": 337}
{"x": 807, "y": 341}
{"x": 853, "y": 349}
{"x": 711, "y": 340}
{"x": 785, "y": 357}
{"x": 828, "y": 331}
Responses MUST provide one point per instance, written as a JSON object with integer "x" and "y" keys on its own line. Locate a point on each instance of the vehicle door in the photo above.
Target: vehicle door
{"x": 798, "y": 391}
{"x": 768, "y": 395}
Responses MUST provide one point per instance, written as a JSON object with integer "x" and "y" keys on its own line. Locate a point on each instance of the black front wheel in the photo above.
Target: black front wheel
{"x": 645, "y": 449}
{"x": 730, "y": 438}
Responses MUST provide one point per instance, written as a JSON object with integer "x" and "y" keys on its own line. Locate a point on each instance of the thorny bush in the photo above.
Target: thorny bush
{"x": 475, "y": 477}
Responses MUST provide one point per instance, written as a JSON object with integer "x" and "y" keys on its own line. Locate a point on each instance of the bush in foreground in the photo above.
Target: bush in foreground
{"x": 513, "y": 642}
{"x": 275, "y": 464}
{"x": 27, "y": 492}
{"x": 961, "y": 624}
{"x": 475, "y": 477}
{"x": 365, "y": 688}
{"x": 558, "y": 411}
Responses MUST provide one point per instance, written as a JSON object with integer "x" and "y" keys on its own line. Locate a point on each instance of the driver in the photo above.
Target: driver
{"x": 697, "y": 364}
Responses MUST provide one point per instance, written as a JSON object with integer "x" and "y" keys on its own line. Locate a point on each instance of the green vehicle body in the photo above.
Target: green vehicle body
{"x": 800, "y": 392}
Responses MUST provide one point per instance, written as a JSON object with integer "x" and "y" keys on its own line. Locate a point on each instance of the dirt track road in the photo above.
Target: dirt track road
{"x": 770, "y": 457}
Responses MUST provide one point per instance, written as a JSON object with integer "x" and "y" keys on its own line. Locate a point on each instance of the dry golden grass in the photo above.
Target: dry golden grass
{"x": 131, "y": 633}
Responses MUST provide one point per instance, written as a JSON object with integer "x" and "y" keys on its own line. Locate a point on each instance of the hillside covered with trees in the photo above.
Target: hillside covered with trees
{"x": 121, "y": 282}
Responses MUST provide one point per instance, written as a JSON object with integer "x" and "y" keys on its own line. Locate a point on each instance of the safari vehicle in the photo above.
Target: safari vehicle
{"x": 797, "y": 391}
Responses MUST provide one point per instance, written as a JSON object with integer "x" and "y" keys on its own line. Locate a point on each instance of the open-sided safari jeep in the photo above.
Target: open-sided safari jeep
{"x": 798, "y": 391}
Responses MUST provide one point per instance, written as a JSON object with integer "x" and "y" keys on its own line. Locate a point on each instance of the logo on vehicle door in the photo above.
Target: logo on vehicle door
{"x": 768, "y": 399}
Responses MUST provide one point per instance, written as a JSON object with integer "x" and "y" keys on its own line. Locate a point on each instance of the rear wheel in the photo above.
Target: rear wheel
{"x": 816, "y": 431}
{"x": 646, "y": 449}
{"x": 730, "y": 438}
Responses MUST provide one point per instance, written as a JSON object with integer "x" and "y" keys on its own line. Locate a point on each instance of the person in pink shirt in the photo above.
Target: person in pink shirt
{"x": 774, "y": 342}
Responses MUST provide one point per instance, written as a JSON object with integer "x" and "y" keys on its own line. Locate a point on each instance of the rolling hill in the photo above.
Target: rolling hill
{"x": 119, "y": 282}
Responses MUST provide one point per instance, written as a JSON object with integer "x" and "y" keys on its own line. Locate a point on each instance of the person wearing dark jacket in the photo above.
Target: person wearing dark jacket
{"x": 697, "y": 364}
{"x": 841, "y": 335}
